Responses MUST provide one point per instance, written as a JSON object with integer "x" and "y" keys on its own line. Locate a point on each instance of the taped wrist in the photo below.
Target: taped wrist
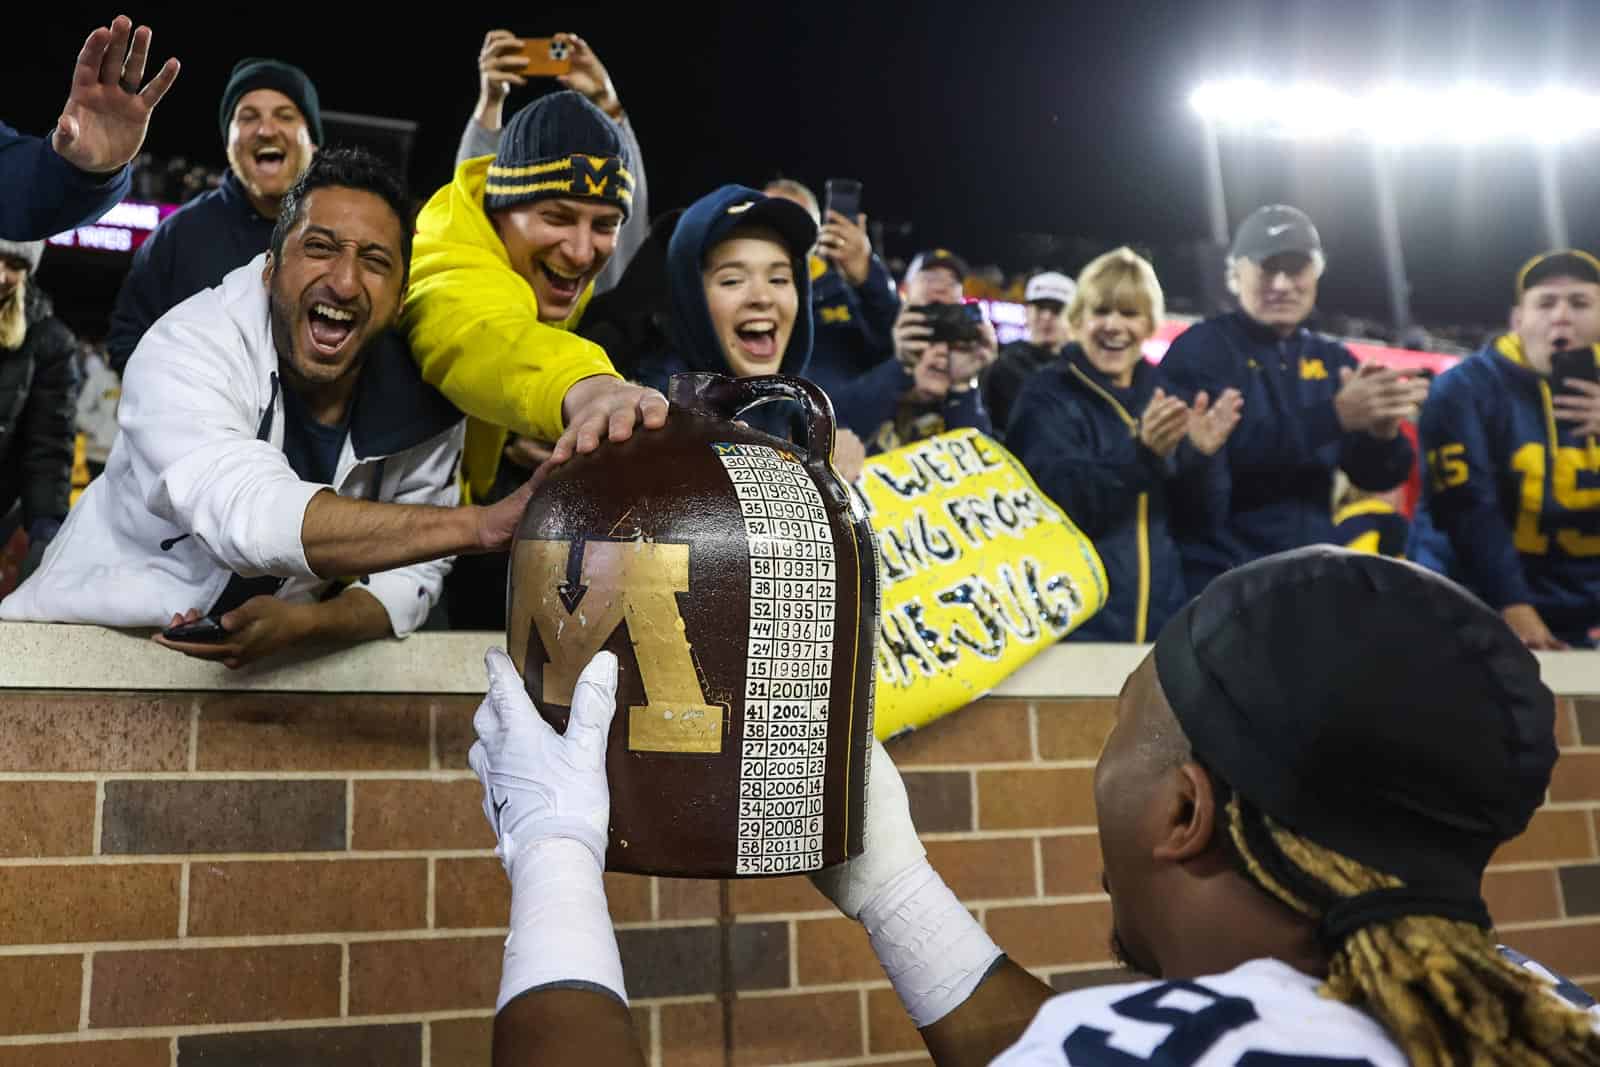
{"x": 932, "y": 949}
{"x": 561, "y": 934}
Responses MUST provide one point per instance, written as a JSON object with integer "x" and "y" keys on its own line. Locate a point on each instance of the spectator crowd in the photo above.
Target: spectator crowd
{"x": 332, "y": 408}
{"x": 301, "y": 367}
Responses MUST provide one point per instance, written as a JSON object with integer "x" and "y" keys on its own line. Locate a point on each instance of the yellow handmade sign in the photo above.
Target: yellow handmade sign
{"x": 980, "y": 572}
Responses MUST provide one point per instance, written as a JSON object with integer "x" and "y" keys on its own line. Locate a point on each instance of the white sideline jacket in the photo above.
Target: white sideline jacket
{"x": 197, "y": 487}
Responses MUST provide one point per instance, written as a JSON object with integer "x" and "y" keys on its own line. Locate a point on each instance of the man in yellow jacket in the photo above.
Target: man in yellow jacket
{"x": 504, "y": 264}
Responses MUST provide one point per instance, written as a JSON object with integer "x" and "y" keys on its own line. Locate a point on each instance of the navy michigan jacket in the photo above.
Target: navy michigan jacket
{"x": 1283, "y": 454}
{"x": 1076, "y": 433}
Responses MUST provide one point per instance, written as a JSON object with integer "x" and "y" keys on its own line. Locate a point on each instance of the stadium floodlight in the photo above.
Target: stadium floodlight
{"x": 1396, "y": 114}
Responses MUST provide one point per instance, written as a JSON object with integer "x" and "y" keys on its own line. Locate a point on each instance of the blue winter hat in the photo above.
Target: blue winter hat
{"x": 560, "y": 145}
{"x": 255, "y": 73}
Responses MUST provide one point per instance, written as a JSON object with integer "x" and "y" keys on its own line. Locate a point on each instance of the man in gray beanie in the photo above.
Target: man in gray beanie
{"x": 38, "y": 403}
{"x": 271, "y": 121}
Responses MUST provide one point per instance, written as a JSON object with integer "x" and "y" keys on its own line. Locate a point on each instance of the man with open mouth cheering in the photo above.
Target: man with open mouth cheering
{"x": 282, "y": 467}
{"x": 507, "y": 256}
{"x": 271, "y": 121}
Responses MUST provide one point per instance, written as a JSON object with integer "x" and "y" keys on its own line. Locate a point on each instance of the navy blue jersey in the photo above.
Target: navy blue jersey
{"x": 1516, "y": 492}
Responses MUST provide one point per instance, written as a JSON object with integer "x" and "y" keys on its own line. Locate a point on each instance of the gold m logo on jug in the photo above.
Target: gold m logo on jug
{"x": 601, "y": 585}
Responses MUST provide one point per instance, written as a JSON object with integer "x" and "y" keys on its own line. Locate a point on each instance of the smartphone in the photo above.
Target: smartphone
{"x": 547, "y": 57}
{"x": 203, "y": 631}
{"x": 1569, "y": 363}
{"x": 842, "y": 195}
{"x": 953, "y": 323}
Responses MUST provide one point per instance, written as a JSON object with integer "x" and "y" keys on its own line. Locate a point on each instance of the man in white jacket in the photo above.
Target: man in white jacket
{"x": 282, "y": 467}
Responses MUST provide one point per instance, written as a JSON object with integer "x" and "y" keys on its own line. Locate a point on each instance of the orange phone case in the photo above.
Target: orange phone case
{"x": 546, "y": 57}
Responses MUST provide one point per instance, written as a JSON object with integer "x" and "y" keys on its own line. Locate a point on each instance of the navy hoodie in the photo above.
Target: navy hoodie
{"x": 1075, "y": 432}
{"x": 1510, "y": 488}
{"x": 1288, "y": 443}
{"x": 694, "y": 344}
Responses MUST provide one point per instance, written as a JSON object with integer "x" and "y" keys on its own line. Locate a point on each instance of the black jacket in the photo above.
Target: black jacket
{"x": 1002, "y": 385}
{"x": 39, "y": 385}
{"x": 190, "y": 251}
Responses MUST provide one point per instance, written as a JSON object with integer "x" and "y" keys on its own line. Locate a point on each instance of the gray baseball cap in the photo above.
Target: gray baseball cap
{"x": 1273, "y": 230}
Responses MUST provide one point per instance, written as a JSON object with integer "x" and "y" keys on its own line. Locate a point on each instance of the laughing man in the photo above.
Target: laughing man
{"x": 282, "y": 467}
{"x": 271, "y": 122}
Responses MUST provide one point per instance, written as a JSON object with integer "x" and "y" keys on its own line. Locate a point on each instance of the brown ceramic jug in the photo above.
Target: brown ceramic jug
{"x": 738, "y": 586}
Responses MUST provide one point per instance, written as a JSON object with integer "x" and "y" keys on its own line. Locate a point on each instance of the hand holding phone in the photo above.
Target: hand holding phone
{"x": 842, "y": 195}
{"x": 202, "y": 631}
{"x": 547, "y": 57}
{"x": 1572, "y": 364}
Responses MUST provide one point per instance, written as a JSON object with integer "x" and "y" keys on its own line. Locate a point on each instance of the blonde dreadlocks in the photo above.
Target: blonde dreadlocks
{"x": 1439, "y": 986}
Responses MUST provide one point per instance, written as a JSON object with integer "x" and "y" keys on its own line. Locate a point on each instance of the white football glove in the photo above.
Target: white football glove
{"x": 538, "y": 784}
{"x": 891, "y": 845}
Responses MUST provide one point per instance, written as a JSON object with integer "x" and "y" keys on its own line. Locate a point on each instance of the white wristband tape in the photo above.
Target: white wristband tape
{"x": 560, "y": 927}
{"x": 930, "y": 946}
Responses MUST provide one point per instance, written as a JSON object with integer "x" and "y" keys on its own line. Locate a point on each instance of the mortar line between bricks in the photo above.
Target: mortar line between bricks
{"x": 124, "y": 858}
{"x": 809, "y": 990}
{"x": 183, "y": 901}
{"x": 866, "y": 1023}
{"x": 433, "y": 883}
{"x": 1038, "y": 866}
{"x": 859, "y": 1061}
{"x": 318, "y": 939}
{"x": 1076, "y": 830}
{"x": 792, "y": 933}
{"x": 427, "y": 1045}
{"x": 1033, "y": 732}
{"x": 972, "y": 799}
{"x": 655, "y": 1036}
{"x": 344, "y": 982}
{"x": 174, "y": 1061}
{"x": 349, "y": 814}
{"x": 83, "y": 993}
{"x": 157, "y": 1033}
{"x": 1536, "y": 865}
{"x": 433, "y": 742}
{"x": 99, "y": 815}
{"x": 194, "y": 735}
{"x": 309, "y": 939}
{"x": 1547, "y": 924}
{"x": 333, "y": 774}
{"x": 998, "y": 766}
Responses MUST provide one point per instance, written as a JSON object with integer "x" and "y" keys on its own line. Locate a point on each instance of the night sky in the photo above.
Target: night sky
{"x": 1024, "y": 134}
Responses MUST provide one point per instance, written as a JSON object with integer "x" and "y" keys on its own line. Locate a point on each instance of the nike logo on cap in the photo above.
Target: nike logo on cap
{"x": 1273, "y": 231}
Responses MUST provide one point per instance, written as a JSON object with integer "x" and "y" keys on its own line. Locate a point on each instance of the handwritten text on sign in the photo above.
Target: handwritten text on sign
{"x": 980, "y": 572}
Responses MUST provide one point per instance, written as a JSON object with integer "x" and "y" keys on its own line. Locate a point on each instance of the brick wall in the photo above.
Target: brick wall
{"x": 251, "y": 878}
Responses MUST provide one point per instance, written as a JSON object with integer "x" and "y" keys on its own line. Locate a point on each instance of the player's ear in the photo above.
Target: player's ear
{"x": 1190, "y": 817}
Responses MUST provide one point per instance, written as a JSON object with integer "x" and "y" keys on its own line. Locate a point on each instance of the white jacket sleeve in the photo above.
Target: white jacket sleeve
{"x": 191, "y": 405}
{"x": 425, "y": 474}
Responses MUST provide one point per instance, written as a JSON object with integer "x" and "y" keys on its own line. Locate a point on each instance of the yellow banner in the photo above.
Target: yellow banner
{"x": 980, "y": 572}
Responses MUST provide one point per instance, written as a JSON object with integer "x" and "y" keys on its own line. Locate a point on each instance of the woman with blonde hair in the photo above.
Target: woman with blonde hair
{"x": 1117, "y": 452}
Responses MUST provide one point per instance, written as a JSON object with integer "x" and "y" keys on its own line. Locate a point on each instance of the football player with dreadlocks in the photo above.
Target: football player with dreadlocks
{"x": 1294, "y": 848}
